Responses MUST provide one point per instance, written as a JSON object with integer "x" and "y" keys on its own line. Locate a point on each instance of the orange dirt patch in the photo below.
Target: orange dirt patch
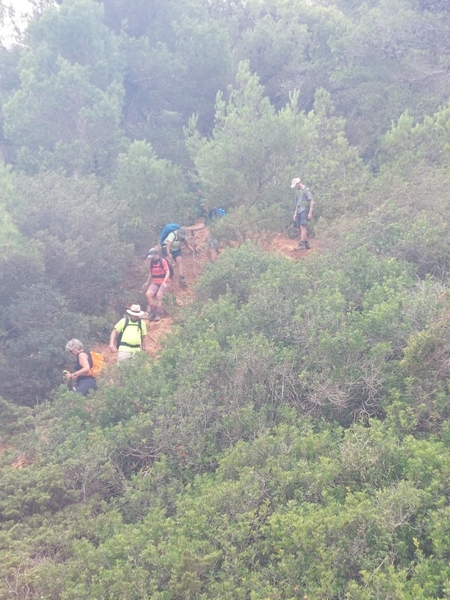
{"x": 286, "y": 246}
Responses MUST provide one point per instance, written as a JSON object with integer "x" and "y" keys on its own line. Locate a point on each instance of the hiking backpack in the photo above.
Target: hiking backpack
{"x": 161, "y": 265}
{"x": 166, "y": 230}
{"x": 98, "y": 362}
{"x": 120, "y": 334}
{"x": 215, "y": 213}
{"x": 168, "y": 264}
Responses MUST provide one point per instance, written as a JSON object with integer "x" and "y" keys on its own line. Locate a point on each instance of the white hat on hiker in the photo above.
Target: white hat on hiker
{"x": 135, "y": 310}
{"x": 152, "y": 252}
{"x": 295, "y": 181}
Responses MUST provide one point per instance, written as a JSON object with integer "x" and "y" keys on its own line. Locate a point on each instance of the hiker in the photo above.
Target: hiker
{"x": 304, "y": 206}
{"x": 81, "y": 377}
{"x": 171, "y": 248}
{"x": 212, "y": 244}
{"x": 157, "y": 284}
{"x": 128, "y": 335}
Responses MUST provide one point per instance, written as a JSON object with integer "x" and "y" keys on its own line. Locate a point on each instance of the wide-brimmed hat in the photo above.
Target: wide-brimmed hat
{"x": 135, "y": 310}
{"x": 153, "y": 252}
{"x": 295, "y": 181}
{"x": 182, "y": 233}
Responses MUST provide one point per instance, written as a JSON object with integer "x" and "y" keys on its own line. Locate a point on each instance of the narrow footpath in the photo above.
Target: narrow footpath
{"x": 182, "y": 295}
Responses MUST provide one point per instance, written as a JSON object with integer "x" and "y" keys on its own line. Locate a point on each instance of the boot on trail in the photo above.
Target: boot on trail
{"x": 303, "y": 246}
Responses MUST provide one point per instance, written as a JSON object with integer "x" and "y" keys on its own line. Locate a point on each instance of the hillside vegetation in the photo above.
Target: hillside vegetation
{"x": 290, "y": 440}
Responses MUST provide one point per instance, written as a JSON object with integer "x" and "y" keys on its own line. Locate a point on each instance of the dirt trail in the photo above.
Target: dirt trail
{"x": 181, "y": 295}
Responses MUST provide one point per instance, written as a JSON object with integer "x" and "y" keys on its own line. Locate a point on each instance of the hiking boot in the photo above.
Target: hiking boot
{"x": 156, "y": 317}
{"x": 303, "y": 246}
{"x": 151, "y": 315}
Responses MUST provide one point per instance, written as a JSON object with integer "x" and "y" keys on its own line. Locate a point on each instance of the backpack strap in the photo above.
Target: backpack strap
{"x": 119, "y": 340}
{"x": 169, "y": 266}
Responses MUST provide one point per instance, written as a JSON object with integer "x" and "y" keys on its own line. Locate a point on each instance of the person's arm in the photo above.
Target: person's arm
{"x": 167, "y": 272}
{"x": 85, "y": 366}
{"x": 191, "y": 248}
{"x": 112, "y": 340}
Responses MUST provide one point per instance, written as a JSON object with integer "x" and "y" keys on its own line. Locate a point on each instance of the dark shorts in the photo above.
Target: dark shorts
{"x": 302, "y": 218}
{"x": 175, "y": 253}
{"x": 85, "y": 384}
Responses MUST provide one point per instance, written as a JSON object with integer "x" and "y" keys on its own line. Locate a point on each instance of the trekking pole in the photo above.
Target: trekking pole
{"x": 194, "y": 252}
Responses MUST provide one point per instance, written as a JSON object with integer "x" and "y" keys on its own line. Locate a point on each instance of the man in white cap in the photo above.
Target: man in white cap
{"x": 304, "y": 207}
{"x": 171, "y": 247}
{"x": 128, "y": 335}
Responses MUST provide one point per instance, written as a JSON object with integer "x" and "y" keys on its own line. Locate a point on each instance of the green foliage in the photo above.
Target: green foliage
{"x": 242, "y": 223}
{"x": 154, "y": 192}
{"x": 66, "y": 113}
{"x": 248, "y": 261}
{"x": 75, "y": 223}
{"x": 14, "y": 420}
{"x": 38, "y": 326}
{"x": 250, "y": 145}
{"x": 301, "y": 509}
{"x": 254, "y": 151}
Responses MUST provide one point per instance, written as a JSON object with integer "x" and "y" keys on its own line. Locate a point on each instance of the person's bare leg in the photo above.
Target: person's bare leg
{"x": 303, "y": 233}
{"x": 179, "y": 261}
{"x": 151, "y": 304}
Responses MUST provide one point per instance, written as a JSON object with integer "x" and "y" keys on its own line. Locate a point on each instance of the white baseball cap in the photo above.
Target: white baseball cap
{"x": 295, "y": 181}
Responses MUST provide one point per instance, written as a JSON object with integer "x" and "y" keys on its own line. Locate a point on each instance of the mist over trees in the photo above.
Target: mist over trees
{"x": 291, "y": 438}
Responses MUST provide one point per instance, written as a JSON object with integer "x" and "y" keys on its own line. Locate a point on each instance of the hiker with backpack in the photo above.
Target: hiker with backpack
{"x": 82, "y": 378}
{"x": 157, "y": 284}
{"x": 128, "y": 335}
{"x": 304, "y": 207}
{"x": 172, "y": 238}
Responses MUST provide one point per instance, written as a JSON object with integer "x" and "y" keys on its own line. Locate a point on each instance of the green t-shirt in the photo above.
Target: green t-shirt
{"x": 303, "y": 199}
{"x": 131, "y": 337}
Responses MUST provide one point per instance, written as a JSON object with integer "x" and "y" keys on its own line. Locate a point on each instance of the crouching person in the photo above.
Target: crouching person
{"x": 81, "y": 377}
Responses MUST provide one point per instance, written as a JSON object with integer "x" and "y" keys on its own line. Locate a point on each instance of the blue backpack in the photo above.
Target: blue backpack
{"x": 215, "y": 213}
{"x": 166, "y": 230}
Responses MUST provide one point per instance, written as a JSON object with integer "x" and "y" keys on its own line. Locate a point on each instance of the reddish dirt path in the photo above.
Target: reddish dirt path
{"x": 193, "y": 266}
{"x": 181, "y": 295}
{"x": 284, "y": 245}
